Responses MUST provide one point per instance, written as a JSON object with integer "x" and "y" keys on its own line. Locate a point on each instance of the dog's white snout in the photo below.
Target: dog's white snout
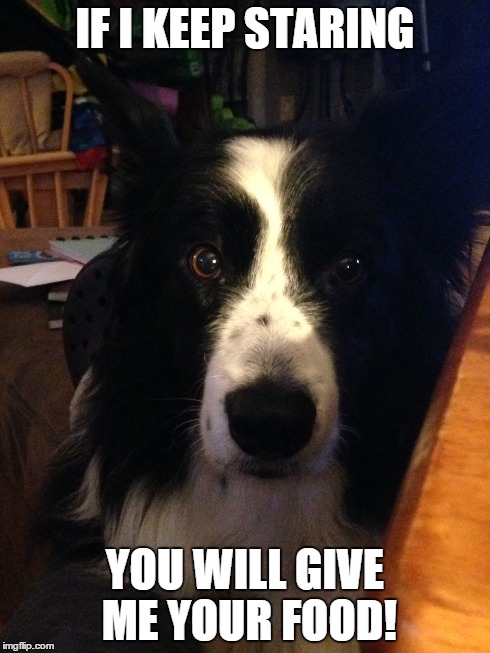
{"x": 270, "y": 395}
{"x": 270, "y": 420}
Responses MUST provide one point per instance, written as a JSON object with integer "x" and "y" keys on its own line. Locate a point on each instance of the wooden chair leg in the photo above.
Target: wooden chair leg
{"x": 61, "y": 201}
{"x": 31, "y": 201}
{"x": 7, "y": 220}
{"x": 96, "y": 196}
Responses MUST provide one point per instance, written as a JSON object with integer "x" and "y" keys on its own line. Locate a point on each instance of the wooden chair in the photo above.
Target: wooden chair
{"x": 32, "y": 164}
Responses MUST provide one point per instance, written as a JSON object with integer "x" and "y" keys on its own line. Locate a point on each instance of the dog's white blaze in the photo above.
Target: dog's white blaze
{"x": 245, "y": 348}
{"x": 258, "y": 167}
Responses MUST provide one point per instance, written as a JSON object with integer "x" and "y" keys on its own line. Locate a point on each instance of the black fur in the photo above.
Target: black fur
{"x": 399, "y": 191}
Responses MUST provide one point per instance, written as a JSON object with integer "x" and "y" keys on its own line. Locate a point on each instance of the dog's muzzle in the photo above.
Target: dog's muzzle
{"x": 270, "y": 420}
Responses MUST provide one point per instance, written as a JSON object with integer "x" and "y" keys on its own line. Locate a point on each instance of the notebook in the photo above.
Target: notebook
{"x": 80, "y": 250}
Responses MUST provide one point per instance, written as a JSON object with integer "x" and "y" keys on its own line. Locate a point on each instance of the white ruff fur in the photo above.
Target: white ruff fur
{"x": 245, "y": 512}
{"x": 219, "y": 506}
{"x": 289, "y": 514}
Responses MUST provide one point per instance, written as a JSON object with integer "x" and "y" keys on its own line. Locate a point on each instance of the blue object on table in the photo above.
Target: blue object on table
{"x": 25, "y": 257}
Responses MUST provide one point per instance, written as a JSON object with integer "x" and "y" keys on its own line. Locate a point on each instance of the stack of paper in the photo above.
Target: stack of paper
{"x": 39, "y": 274}
{"x": 81, "y": 250}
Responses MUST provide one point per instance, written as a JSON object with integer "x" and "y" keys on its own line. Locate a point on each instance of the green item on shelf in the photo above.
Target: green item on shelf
{"x": 60, "y": 12}
{"x": 174, "y": 67}
{"x": 224, "y": 118}
{"x": 184, "y": 66}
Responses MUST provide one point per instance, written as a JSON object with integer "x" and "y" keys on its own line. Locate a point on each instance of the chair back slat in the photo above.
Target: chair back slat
{"x": 3, "y": 147}
{"x": 31, "y": 200}
{"x": 28, "y": 113}
{"x": 61, "y": 201}
{"x": 7, "y": 219}
{"x": 68, "y": 83}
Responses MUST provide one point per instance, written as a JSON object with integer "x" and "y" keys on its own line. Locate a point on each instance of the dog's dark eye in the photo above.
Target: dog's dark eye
{"x": 205, "y": 262}
{"x": 347, "y": 269}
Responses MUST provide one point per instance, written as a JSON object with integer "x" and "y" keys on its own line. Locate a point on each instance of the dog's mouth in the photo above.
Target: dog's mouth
{"x": 271, "y": 468}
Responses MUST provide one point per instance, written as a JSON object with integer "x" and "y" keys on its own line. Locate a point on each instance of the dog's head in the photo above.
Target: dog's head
{"x": 270, "y": 399}
{"x": 282, "y": 304}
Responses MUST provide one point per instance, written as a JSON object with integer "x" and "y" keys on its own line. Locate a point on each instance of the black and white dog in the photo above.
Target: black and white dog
{"x": 281, "y": 311}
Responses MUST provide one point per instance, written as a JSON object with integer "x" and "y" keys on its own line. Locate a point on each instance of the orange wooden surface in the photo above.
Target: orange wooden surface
{"x": 437, "y": 552}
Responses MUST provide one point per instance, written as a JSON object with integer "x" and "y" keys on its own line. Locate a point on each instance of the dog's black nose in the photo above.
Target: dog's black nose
{"x": 270, "y": 420}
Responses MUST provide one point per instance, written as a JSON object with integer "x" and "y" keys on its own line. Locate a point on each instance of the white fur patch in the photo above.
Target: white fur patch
{"x": 242, "y": 511}
{"x": 245, "y": 512}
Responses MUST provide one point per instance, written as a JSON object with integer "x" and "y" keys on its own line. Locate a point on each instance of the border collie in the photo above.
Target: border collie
{"x": 281, "y": 309}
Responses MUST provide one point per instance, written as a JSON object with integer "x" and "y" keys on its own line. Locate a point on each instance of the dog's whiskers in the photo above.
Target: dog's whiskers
{"x": 198, "y": 387}
{"x": 175, "y": 399}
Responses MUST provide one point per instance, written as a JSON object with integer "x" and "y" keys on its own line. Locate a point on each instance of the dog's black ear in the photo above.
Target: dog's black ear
{"x": 146, "y": 149}
{"x": 434, "y": 141}
{"x": 138, "y": 126}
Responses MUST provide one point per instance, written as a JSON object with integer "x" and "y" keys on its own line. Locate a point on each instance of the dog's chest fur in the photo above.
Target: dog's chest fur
{"x": 211, "y": 510}
{"x": 241, "y": 513}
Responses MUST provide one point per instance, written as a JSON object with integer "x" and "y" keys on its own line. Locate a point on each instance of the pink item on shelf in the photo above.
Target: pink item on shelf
{"x": 167, "y": 97}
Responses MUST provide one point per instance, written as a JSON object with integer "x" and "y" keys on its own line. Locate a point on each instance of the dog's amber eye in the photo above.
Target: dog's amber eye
{"x": 205, "y": 262}
{"x": 348, "y": 269}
